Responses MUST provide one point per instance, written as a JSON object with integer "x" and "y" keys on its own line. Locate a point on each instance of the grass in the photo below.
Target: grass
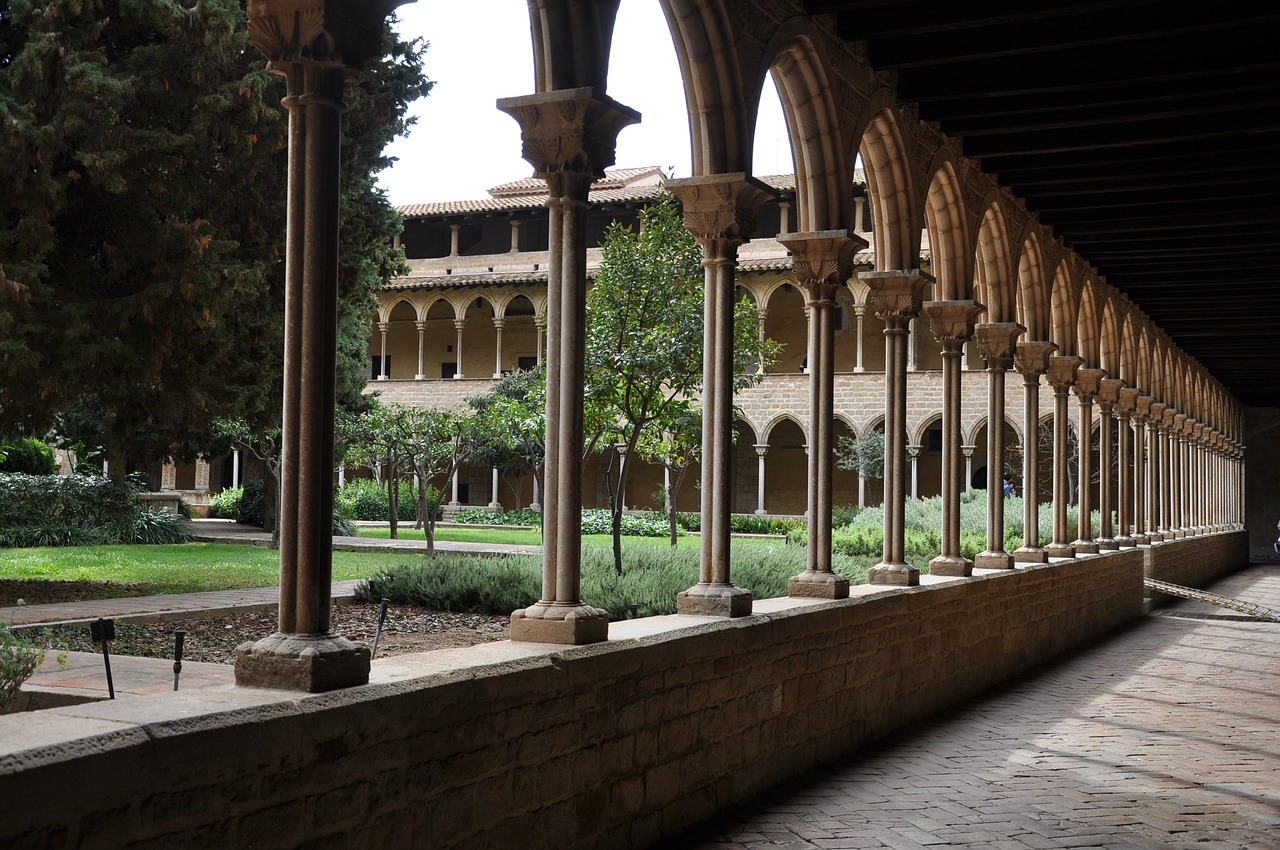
{"x": 454, "y": 534}
{"x": 182, "y": 568}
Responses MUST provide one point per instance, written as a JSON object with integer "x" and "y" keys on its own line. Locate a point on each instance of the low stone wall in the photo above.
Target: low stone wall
{"x": 620, "y": 744}
{"x": 1196, "y": 561}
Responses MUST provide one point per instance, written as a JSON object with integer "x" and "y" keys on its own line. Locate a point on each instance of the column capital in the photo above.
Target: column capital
{"x": 1109, "y": 391}
{"x": 996, "y": 341}
{"x": 1156, "y": 413}
{"x": 1031, "y": 357}
{"x": 720, "y": 208}
{"x": 1197, "y": 431}
{"x": 914, "y": 451}
{"x": 968, "y": 450}
{"x": 1179, "y": 422}
{"x": 459, "y": 324}
{"x": 420, "y": 324}
{"x": 896, "y": 295}
{"x": 823, "y": 258}
{"x": 568, "y": 133}
{"x": 1087, "y": 382}
{"x": 952, "y": 322}
{"x": 499, "y": 323}
{"x": 1142, "y": 408}
{"x": 762, "y": 449}
{"x": 384, "y": 326}
{"x": 336, "y": 33}
{"x": 1127, "y": 401}
{"x": 1062, "y": 371}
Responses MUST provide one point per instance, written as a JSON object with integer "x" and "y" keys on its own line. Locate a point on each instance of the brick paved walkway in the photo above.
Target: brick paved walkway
{"x": 1165, "y": 735}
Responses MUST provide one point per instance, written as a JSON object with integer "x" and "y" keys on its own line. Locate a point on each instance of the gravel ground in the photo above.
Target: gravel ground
{"x": 214, "y": 639}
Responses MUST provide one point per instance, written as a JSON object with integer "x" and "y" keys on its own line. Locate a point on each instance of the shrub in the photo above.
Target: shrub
{"x": 151, "y": 528}
{"x": 363, "y": 499}
{"x": 78, "y": 510}
{"x": 253, "y": 504}
{"x": 226, "y": 505}
{"x": 479, "y": 516}
{"x": 28, "y": 456}
{"x": 19, "y": 658}
{"x": 600, "y": 521}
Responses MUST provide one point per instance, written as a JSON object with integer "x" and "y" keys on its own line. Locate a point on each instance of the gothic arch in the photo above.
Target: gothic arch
{"x": 994, "y": 267}
{"x": 767, "y": 431}
{"x": 1064, "y": 310}
{"x": 952, "y": 253}
{"x": 1032, "y": 301}
{"x": 890, "y": 195}
{"x": 1088, "y": 325}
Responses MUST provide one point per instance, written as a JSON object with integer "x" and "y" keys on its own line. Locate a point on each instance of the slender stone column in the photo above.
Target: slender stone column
{"x": 1108, "y": 395}
{"x": 1167, "y": 468}
{"x": 458, "y": 325}
{"x": 1155, "y": 456}
{"x": 454, "y": 231}
{"x": 1061, "y": 375}
{"x": 1124, "y": 412}
{"x": 422, "y": 349}
{"x": 859, "y": 313}
{"x": 952, "y": 324}
{"x": 762, "y": 313}
{"x": 1141, "y": 412}
{"x": 1086, "y": 390}
{"x": 539, "y": 344}
{"x": 1177, "y": 450}
{"x": 494, "y": 504}
{"x": 822, "y": 261}
{"x": 761, "y": 451}
{"x": 1031, "y": 359}
{"x": 498, "y": 325}
{"x": 568, "y": 137}
{"x": 720, "y": 211}
{"x": 968, "y": 466}
{"x": 913, "y": 458}
{"x": 235, "y": 468}
{"x": 996, "y": 343}
{"x": 315, "y": 46}
{"x": 383, "y": 370}
{"x": 1197, "y": 478}
{"x": 896, "y": 296}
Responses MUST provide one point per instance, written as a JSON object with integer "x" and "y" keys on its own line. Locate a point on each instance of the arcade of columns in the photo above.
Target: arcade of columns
{"x": 1000, "y": 279}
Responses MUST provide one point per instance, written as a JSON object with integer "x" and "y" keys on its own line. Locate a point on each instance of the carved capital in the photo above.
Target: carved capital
{"x": 720, "y": 208}
{"x": 1179, "y": 423}
{"x": 569, "y": 136}
{"x": 952, "y": 322}
{"x": 1087, "y": 382}
{"x": 822, "y": 260}
{"x": 1127, "y": 401}
{"x": 1197, "y": 431}
{"x": 1109, "y": 391}
{"x": 1189, "y": 427}
{"x": 913, "y": 451}
{"x": 1062, "y": 371}
{"x": 1156, "y": 414}
{"x": 996, "y": 341}
{"x": 1031, "y": 357}
{"x": 896, "y": 295}
{"x": 334, "y": 33}
{"x": 1142, "y": 407}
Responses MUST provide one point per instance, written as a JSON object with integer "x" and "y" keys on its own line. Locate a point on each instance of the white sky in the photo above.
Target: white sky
{"x": 481, "y": 51}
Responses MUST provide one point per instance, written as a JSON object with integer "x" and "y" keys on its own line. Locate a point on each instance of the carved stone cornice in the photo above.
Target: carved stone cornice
{"x": 822, "y": 260}
{"x": 996, "y": 342}
{"x": 720, "y": 207}
{"x": 1109, "y": 392}
{"x": 1087, "y": 381}
{"x": 897, "y": 295}
{"x": 1031, "y": 357}
{"x": 1062, "y": 371}
{"x": 568, "y": 132}
{"x": 1127, "y": 401}
{"x": 952, "y": 322}
{"x": 335, "y": 33}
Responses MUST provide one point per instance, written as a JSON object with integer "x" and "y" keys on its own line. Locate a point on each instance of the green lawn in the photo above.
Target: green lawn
{"x": 183, "y": 568}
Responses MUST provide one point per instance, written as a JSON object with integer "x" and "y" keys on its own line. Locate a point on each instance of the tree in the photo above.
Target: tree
{"x": 864, "y": 455}
{"x": 265, "y": 445}
{"x": 645, "y": 338}
{"x": 142, "y": 226}
{"x": 677, "y": 445}
{"x": 512, "y": 427}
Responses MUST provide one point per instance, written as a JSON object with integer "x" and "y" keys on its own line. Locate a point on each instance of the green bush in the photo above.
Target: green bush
{"x": 253, "y": 504}
{"x": 78, "y": 510}
{"x": 28, "y": 456}
{"x": 226, "y": 505}
{"x": 151, "y": 528}
{"x": 479, "y": 516}
{"x": 600, "y": 521}
{"x": 363, "y": 499}
{"x": 19, "y": 658}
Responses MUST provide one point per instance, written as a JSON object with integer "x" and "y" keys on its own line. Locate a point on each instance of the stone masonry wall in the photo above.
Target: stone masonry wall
{"x": 1196, "y": 561}
{"x": 618, "y": 744}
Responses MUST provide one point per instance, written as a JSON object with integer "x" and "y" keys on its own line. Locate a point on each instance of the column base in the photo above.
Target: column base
{"x": 566, "y": 624}
{"x": 899, "y": 575}
{"x": 1085, "y": 547}
{"x": 990, "y": 560}
{"x": 714, "y": 599}
{"x": 1030, "y": 555}
{"x": 1156, "y": 536}
{"x": 817, "y": 584}
{"x": 1141, "y": 539}
{"x": 1179, "y": 533}
{"x": 1124, "y": 541}
{"x": 1107, "y": 544}
{"x": 302, "y": 662}
{"x": 1060, "y": 550}
{"x": 761, "y": 512}
{"x": 951, "y": 565}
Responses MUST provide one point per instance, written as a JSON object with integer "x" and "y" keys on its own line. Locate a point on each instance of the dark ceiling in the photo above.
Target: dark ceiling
{"x": 1145, "y": 134}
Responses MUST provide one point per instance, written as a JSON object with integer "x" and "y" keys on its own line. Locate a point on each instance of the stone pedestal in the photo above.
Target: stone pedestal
{"x": 716, "y": 599}
{"x": 570, "y": 625}
{"x": 300, "y": 662}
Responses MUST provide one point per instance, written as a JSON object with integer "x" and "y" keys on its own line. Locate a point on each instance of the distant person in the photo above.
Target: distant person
{"x": 1008, "y": 487}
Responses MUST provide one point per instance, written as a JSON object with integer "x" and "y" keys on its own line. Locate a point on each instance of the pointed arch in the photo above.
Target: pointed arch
{"x": 1064, "y": 310}
{"x": 951, "y": 249}
{"x": 1033, "y": 306}
{"x": 993, "y": 268}
{"x": 1088, "y": 325}
{"x": 889, "y": 190}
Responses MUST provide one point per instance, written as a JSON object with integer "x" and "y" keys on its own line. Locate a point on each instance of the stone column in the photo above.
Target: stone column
{"x": 1086, "y": 390}
{"x": 1031, "y": 360}
{"x": 1166, "y": 474}
{"x": 383, "y": 369}
{"x": 896, "y": 296}
{"x": 913, "y": 458}
{"x": 784, "y": 218}
{"x": 762, "y": 313}
{"x": 859, "y": 222}
{"x": 494, "y": 504}
{"x": 568, "y": 137}
{"x": 952, "y": 324}
{"x": 822, "y": 261}
{"x": 1141, "y": 410}
{"x": 539, "y": 325}
{"x": 1061, "y": 375}
{"x": 458, "y": 325}
{"x": 761, "y": 451}
{"x": 720, "y": 211}
{"x": 1124, "y": 412}
{"x": 235, "y": 468}
{"x": 515, "y": 236}
{"x": 315, "y": 46}
{"x": 498, "y": 325}
{"x": 1155, "y": 487}
{"x": 1178, "y": 461}
{"x": 1108, "y": 395}
{"x": 454, "y": 230}
{"x": 422, "y": 349}
{"x": 168, "y": 475}
{"x": 968, "y": 466}
{"x": 1197, "y": 479}
{"x": 996, "y": 343}
{"x": 859, "y": 313}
